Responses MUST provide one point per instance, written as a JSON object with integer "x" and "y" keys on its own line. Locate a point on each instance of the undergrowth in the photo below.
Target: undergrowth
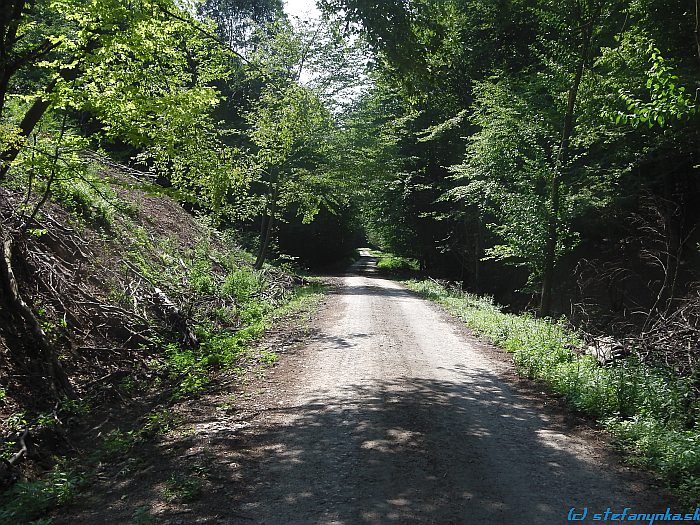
{"x": 211, "y": 290}
{"x": 28, "y": 501}
{"x": 231, "y": 304}
{"x": 390, "y": 263}
{"x": 192, "y": 370}
{"x": 224, "y": 348}
{"x": 651, "y": 412}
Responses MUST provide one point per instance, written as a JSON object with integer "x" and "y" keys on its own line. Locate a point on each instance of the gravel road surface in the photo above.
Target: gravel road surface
{"x": 395, "y": 414}
{"x": 387, "y": 412}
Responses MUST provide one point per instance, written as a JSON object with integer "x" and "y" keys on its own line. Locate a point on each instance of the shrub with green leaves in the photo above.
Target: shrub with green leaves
{"x": 393, "y": 263}
{"x": 242, "y": 284}
{"x": 29, "y": 500}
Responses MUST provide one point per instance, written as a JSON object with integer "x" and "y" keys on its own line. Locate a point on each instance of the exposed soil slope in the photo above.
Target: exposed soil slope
{"x": 119, "y": 300}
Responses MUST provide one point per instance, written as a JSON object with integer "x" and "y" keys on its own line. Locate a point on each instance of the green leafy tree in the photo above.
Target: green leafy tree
{"x": 141, "y": 69}
{"x": 291, "y": 131}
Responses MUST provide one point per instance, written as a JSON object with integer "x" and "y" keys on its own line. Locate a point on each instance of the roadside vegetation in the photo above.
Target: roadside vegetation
{"x": 653, "y": 414}
{"x": 394, "y": 265}
{"x": 164, "y": 314}
{"x": 250, "y": 301}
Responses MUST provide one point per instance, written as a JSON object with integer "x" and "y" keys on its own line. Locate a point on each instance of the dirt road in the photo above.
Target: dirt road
{"x": 392, "y": 414}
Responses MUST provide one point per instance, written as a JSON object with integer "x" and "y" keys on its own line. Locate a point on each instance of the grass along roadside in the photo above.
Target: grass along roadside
{"x": 192, "y": 369}
{"x": 389, "y": 263}
{"x": 652, "y": 413}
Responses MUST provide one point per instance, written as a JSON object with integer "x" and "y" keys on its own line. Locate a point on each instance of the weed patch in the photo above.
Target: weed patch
{"x": 391, "y": 263}
{"x": 27, "y": 501}
{"x": 223, "y": 349}
{"x": 183, "y": 489}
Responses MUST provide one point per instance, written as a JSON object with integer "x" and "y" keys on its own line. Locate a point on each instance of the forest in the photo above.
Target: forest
{"x": 175, "y": 172}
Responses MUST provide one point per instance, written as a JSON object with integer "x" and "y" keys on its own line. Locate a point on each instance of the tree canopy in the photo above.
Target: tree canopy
{"x": 481, "y": 137}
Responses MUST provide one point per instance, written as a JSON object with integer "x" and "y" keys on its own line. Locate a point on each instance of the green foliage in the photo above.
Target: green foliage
{"x": 143, "y": 79}
{"x": 79, "y": 407}
{"x": 242, "y": 285}
{"x": 667, "y": 101}
{"x": 458, "y": 141}
{"x": 303, "y": 298}
{"x": 158, "y": 423}
{"x": 289, "y": 128}
{"x": 200, "y": 277}
{"x": 117, "y": 443}
{"x": 507, "y": 172}
{"x": 268, "y": 358}
{"x": 674, "y": 453}
{"x": 653, "y": 413}
{"x": 92, "y": 200}
{"x": 392, "y": 263}
{"x": 223, "y": 348}
{"x": 16, "y": 421}
{"x": 27, "y": 501}
{"x": 218, "y": 349}
{"x": 294, "y": 160}
{"x": 234, "y": 17}
{"x": 183, "y": 489}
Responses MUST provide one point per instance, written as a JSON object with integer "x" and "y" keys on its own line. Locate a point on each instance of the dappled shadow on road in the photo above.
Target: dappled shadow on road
{"x": 337, "y": 342}
{"x": 373, "y": 290}
{"x": 462, "y": 450}
{"x": 366, "y": 265}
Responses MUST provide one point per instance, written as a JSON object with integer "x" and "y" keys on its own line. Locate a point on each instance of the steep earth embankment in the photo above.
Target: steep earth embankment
{"x": 137, "y": 302}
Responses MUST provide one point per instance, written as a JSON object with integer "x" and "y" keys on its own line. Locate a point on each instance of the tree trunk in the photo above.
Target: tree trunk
{"x": 10, "y": 16}
{"x": 4, "y": 84}
{"x": 29, "y": 122}
{"x": 266, "y": 229}
{"x": 550, "y": 252}
{"x": 697, "y": 28}
{"x": 264, "y": 243}
{"x": 33, "y": 115}
{"x": 46, "y": 361}
{"x": 478, "y": 249}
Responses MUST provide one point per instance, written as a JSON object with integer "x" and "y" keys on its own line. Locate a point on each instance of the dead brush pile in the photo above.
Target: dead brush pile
{"x": 94, "y": 310}
{"x": 642, "y": 297}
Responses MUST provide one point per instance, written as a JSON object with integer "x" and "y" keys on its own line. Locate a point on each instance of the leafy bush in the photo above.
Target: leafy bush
{"x": 29, "y": 500}
{"x": 242, "y": 284}
{"x": 201, "y": 277}
{"x": 392, "y": 263}
{"x": 652, "y": 412}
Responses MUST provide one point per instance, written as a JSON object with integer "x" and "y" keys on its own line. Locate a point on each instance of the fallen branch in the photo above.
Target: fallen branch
{"x": 17, "y": 457}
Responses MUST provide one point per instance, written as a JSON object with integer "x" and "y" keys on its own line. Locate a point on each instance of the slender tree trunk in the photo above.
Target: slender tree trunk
{"x": 267, "y": 229}
{"x": 553, "y": 223}
{"x": 4, "y": 84}
{"x": 45, "y": 360}
{"x": 264, "y": 244}
{"x": 477, "y": 256}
